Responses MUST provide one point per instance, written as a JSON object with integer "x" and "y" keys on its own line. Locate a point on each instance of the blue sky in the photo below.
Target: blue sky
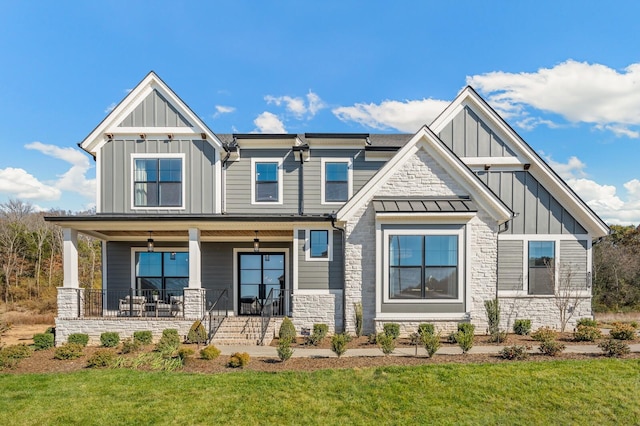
{"x": 565, "y": 75}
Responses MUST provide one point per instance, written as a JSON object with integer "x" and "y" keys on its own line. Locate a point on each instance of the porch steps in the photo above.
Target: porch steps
{"x": 244, "y": 331}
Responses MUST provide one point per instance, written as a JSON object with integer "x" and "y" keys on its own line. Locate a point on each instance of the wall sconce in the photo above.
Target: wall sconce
{"x": 150, "y": 244}
{"x": 256, "y": 243}
{"x": 143, "y": 136}
{"x": 170, "y": 136}
{"x": 487, "y": 167}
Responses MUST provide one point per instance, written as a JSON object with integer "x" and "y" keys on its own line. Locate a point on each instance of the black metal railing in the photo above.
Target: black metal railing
{"x": 216, "y": 313}
{"x": 132, "y": 303}
{"x": 277, "y": 304}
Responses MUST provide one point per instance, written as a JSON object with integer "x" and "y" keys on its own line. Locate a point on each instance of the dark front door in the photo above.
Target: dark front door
{"x": 258, "y": 274}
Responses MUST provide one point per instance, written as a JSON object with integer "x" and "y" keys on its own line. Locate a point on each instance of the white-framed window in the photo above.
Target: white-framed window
{"x": 336, "y": 180}
{"x": 266, "y": 180}
{"x": 423, "y": 265}
{"x": 318, "y": 245}
{"x": 158, "y": 181}
{"x": 164, "y": 272}
{"x": 541, "y": 267}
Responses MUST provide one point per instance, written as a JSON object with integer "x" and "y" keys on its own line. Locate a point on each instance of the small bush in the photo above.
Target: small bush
{"x": 69, "y": 351}
{"x": 372, "y": 338}
{"x": 492, "y": 308}
{"x": 431, "y": 343}
{"x": 391, "y": 329}
{"x": 319, "y": 332}
{"x": 634, "y": 324}
{"x": 621, "y": 331}
{"x": 522, "y": 327}
{"x": 515, "y": 352}
{"x": 130, "y": 345}
{"x": 464, "y": 340}
{"x": 357, "y": 308}
{"x": 287, "y": 330}
{"x": 11, "y": 355}
{"x": 426, "y": 328}
{"x": 586, "y": 333}
{"x": 467, "y": 327}
{"x": 79, "y": 338}
{"x": 144, "y": 337}
{"x": 184, "y": 353}
{"x": 498, "y": 337}
{"x": 101, "y": 358}
{"x": 614, "y": 348}
{"x": 284, "y": 349}
{"x": 168, "y": 343}
{"x": 110, "y": 339}
{"x": 339, "y": 343}
{"x": 210, "y": 352}
{"x": 238, "y": 360}
{"x": 551, "y": 347}
{"x": 588, "y": 322}
{"x": 544, "y": 334}
{"x": 386, "y": 343}
{"x": 197, "y": 333}
{"x": 42, "y": 341}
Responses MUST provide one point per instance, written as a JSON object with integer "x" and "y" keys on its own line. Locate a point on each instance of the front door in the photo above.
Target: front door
{"x": 258, "y": 274}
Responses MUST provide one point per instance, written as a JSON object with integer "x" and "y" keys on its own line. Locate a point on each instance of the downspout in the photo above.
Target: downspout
{"x": 333, "y": 218}
{"x": 301, "y": 184}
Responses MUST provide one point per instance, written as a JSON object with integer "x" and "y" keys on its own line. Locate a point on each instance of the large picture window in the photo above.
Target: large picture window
{"x": 541, "y": 267}
{"x": 157, "y": 182}
{"x": 423, "y": 267}
{"x": 166, "y": 273}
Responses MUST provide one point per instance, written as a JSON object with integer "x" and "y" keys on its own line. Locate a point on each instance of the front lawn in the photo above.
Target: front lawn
{"x": 558, "y": 392}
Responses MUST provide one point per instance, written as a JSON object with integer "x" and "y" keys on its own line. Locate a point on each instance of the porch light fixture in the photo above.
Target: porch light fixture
{"x": 256, "y": 243}
{"x": 150, "y": 243}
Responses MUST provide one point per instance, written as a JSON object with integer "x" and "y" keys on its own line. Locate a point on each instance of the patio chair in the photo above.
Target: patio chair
{"x": 177, "y": 305}
{"x": 132, "y": 307}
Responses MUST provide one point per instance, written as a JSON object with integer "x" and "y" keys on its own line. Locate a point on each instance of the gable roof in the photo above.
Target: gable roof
{"x": 468, "y": 97}
{"x": 427, "y": 140}
{"x": 189, "y": 124}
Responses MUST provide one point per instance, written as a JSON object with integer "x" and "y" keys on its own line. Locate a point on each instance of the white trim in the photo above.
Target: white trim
{"x": 307, "y": 245}
{"x": 378, "y": 156}
{"x": 99, "y": 181}
{"x": 218, "y": 186}
{"x": 103, "y": 272}
{"x": 294, "y": 260}
{"x": 195, "y": 259}
{"x": 268, "y": 143}
{"x": 154, "y": 132}
{"x": 280, "y": 162}
{"x": 545, "y": 237}
{"x": 493, "y": 161}
{"x": 317, "y": 292}
{"x": 135, "y": 250}
{"x": 135, "y": 156}
{"x": 323, "y": 162}
{"x": 70, "y": 258}
{"x": 441, "y": 218}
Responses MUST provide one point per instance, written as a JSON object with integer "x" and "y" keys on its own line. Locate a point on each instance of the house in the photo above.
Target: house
{"x": 420, "y": 227}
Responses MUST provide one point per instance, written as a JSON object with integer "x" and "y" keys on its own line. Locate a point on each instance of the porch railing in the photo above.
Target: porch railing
{"x": 277, "y": 304}
{"x": 132, "y": 303}
{"x": 217, "y": 312}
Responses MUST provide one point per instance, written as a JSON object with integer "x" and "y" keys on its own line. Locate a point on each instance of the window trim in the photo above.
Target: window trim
{"x": 323, "y": 178}
{"x": 462, "y": 271}
{"x": 556, "y": 249}
{"x": 135, "y": 250}
{"x": 176, "y": 156}
{"x": 307, "y": 246}
{"x": 279, "y": 161}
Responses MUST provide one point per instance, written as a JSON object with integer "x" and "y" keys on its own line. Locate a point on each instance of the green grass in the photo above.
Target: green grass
{"x": 558, "y": 392}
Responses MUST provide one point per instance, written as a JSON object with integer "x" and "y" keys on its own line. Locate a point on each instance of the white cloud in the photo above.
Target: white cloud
{"x": 299, "y": 107}
{"x": 572, "y": 169}
{"x": 407, "y": 116}
{"x": 268, "y": 122}
{"x": 222, "y": 109}
{"x": 110, "y": 108}
{"x": 20, "y": 184}
{"x": 577, "y": 91}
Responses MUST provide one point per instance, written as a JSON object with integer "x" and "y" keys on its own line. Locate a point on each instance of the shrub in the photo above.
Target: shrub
{"x": 101, "y": 358}
{"x": 197, "y": 333}
{"x": 544, "y": 334}
{"x": 386, "y": 343}
{"x": 391, "y": 329}
{"x": 372, "y": 338}
{"x": 498, "y": 337}
{"x": 357, "y": 307}
{"x": 11, "y": 355}
{"x": 634, "y": 324}
{"x": 79, "y": 338}
{"x": 130, "y": 345}
{"x": 287, "y": 330}
{"x": 586, "y": 333}
{"x": 492, "y": 308}
{"x": 467, "y": 327}
{"x": 551, "y": 347}
{"x": 465, "y": 340}
{"x": 587, "y": 322}
{"x": 42, "y": 341}
{"x": 210, "y": 352}
{"x": 621, "y": 331}
{"x": 426, "y": 328}
{"x": 319, "y": 332}
{"x": 339, "y": 343}
{"x": 517, "y": 352}
{"x": 110, "y": 339}
{"x": 614, "y": 348}
{"x": 143, "y": 337}
{"x": 238, "y": 360}
{"x": 69, "y": 351}
{"x": 522, "y": 327}
{"x": 284, "y": 349}
{"x": 431, "y": 343}
{"x": 184, "y": 353}
{"x": 168, "y": 343}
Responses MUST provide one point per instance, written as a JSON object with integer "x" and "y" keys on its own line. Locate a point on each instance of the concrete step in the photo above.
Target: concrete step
{"x": 245, "y": 331}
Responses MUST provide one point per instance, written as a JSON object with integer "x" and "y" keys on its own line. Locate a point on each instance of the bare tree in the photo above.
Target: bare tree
{"x": 568, "y": 292}
{"x": 12, "y": 240}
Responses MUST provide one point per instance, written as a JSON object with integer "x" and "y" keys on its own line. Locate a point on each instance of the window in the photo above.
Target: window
{"x": 267, "y": 181}
{"x": 541, "y": 267}
{"x": 165, "y": 272}
{"x": 423, "y": 267}
{"x": 157, "y": 182}
{"x": 319, "y": 244}
{"x": 336, "y": 180}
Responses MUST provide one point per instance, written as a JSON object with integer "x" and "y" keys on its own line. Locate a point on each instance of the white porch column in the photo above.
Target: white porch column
{"x": 70, "y": 258}
{"x": 195, "y": 259}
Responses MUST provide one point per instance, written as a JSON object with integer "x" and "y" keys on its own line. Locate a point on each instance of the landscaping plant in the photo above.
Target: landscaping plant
{"x": 522, "y": 327}
{"x": 386, "y": 343}
{"x": 391, "y": 329}
{"x": 431, "y": 342}
{"x": 42, "y": 341}
{"x": 339, "y": 343}
{"x": 101, "y": 358}
{"x": 551, "y": 347}
{"x": 238, "y": 360}
{"x": 621, "y": 331}
{"x": 210, "y": 352}
{"x": 197, "y": 333}
{"x": 464, "y": 338}
{"x": 586, "y": 333}
{"x": 426, "y": 328}
{"x": 515, "y": 352}
{"x": 287, "y": 330}
{"x": 130, "y": 345}
{"x": 110, "y": 339}
{"x": 11, "y": 355}
{"x": 357, "y": 308}
{"x": 319, "y": 332}
{"x": 68, "y": 351}
{"x": 544, "y": 334}
{"x": 587, "y": 322}
{"x": 79, "y": 338}
{"x": 144, "y": 337}
{"x": 614, "y": 348}
{"x": 285, "y": 351}
{"x": 169, "y": 343}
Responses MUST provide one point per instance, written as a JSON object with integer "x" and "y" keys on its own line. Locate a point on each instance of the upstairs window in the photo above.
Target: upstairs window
{"x": 267, "y": 181}
{"x": 158, "y": 182}
{"x": 541, "y": 267}
{"x": 336, "y": 180}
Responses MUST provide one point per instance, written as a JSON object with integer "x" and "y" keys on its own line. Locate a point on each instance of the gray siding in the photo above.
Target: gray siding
{"x": 117, "y": 181}
{"x": 320, "y": 275}
{"x": 510, "y": 266}
{"x": 238, "y": 183}
{"x": 573, "y": 265}
{"x": 468, "y": 136}
{"x": 155, "y": 111}
{"x": 538, "y": 211}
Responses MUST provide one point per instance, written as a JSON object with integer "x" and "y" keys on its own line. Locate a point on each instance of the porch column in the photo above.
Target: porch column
{"x": 70, "y": 258}
{"x": 195, "y": 259}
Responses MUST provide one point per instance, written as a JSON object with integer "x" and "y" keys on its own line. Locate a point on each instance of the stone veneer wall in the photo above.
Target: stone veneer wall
{"x": 309, "y": 309}
{"x": 541, "y": 310}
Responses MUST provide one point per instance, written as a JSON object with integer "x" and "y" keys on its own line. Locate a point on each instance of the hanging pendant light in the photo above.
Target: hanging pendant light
{"x": 256, "y": 243}
{"x": 150, "y": 243}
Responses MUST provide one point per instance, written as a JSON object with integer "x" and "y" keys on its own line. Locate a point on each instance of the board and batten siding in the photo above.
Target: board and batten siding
{"x": 319, "y": 275}
{"x": 510, "y": 261}
{"x": 117, "y": 180}
{"x": 155, "y": 111}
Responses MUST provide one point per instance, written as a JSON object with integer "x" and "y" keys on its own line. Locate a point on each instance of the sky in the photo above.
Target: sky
{"x": 565, "y": 75}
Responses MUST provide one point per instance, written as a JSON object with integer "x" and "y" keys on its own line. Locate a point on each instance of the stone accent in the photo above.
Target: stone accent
{"x": 68, "y": 302}
{"x": 309, "y": 309}
{"x": 541, "y": 310}
{"x": 194, "y": 303}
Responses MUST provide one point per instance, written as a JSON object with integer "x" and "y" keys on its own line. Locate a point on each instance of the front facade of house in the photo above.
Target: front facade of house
{"x": 416, "y": 228}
